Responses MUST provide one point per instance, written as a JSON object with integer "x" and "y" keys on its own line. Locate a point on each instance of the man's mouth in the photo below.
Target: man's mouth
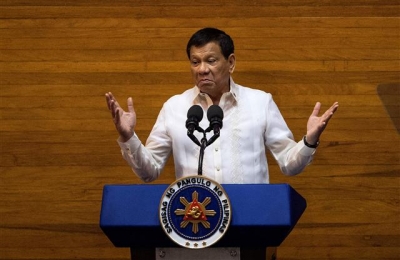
{"x": 205, "y": 80}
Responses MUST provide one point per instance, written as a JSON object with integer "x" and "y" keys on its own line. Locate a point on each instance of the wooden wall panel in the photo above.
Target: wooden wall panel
{"x": 58, "y": 144}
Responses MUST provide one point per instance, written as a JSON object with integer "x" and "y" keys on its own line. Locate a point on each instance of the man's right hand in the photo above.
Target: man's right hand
{"x": 125, "y": 121}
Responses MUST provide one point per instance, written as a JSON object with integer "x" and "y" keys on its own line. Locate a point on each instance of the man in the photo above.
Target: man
{"x": 252, "y": 122}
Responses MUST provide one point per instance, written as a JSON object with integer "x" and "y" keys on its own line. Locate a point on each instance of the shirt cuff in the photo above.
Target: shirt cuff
{"x": 305, "y": 150}
{"x": 131, "y": 145}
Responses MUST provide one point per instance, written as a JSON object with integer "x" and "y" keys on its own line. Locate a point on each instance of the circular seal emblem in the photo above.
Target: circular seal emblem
{"x": 195, "y": 212}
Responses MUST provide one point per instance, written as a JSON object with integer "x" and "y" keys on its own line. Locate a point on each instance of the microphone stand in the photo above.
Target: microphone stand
{"x": 195, "y": 114}
{"x": 203, "y": 145}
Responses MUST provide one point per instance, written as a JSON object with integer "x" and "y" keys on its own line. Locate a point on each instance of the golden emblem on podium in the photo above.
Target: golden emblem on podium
{"x": 195, "y": 212}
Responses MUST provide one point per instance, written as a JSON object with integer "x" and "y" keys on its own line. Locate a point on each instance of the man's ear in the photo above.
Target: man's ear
{"x": 232, "y": 62}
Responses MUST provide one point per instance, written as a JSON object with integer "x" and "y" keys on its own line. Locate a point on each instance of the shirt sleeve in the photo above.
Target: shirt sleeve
{"x": 291, "y": 156}
{"x": 148, "y": 161}
{"x": 297, "y": 158}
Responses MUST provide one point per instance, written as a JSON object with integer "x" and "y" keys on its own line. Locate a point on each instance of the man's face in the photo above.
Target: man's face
{"x": 210, "y": 70}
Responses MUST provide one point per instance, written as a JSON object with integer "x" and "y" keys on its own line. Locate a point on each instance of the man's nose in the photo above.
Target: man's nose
{"x": 203, "y": 68}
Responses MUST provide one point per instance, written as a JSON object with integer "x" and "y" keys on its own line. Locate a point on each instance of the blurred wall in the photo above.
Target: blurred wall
{"x": 58, "y": 143}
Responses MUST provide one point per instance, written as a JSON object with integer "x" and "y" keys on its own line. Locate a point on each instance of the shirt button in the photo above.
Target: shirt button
{"x": 216, "y": 149}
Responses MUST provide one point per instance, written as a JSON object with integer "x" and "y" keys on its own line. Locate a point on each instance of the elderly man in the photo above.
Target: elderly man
{"x": 252, "y": 123}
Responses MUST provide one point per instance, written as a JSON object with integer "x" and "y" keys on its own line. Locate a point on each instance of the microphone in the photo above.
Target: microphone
{"x": 215, "y": 116}
{"x": 194, "y": 116}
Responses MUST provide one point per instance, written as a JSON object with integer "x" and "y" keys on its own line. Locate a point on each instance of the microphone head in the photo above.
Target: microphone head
{"x": 215, "y": 115}
{"x": 215, "y": 111}
{"x": 194, "y": 116}
{"x": 195, "y": 111}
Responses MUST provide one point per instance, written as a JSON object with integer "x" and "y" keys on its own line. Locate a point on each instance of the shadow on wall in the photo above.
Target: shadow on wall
{"x": 390, "y": 97}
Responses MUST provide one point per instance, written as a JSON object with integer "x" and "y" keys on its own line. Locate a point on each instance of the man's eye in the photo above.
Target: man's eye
{"x": 194, "y": 62}
{"x": 212, "y": 61}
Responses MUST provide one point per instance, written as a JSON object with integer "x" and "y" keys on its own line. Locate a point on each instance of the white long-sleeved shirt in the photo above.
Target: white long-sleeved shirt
{"x": 252, "y": 122}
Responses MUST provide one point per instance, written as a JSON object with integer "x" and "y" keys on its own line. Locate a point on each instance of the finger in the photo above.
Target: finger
{"x": 117, "y": 117}
{"x": 113, "y": 109}
{"x": 116, "y": 104}
{"x": 131, "y": 109}
{"x": 316, "y": 110}
{"x": 334, "y": 107}
{"x": 110, "y": 95}
{"x": 329, "y": 113}
{"x": 108, "y": 99}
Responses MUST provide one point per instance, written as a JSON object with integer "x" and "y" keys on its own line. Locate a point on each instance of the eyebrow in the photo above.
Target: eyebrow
{"x": 208, "y": 55}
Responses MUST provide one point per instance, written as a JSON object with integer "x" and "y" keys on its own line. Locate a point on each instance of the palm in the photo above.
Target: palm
{"x": 127, "y": 121}
{"x": 315, "y": 125}
{"x": 124, "y": 121}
